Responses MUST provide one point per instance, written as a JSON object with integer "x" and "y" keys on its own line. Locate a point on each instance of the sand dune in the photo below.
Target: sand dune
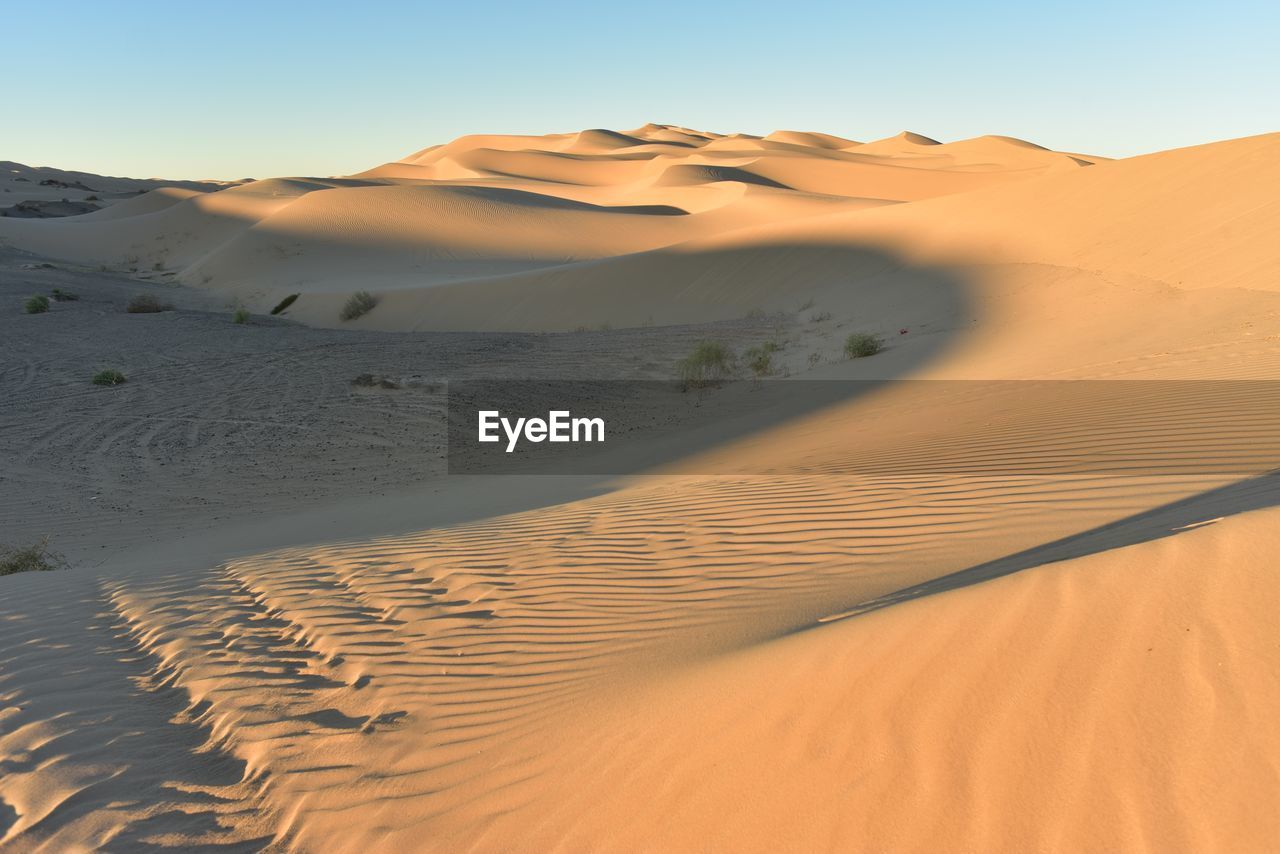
{"x": 907, "y": 728}
{"x": 1032, "y": 615}
{"x": 1017, "y": 259}
{"x": 410, "y": 225}
{"x": 407, "y": 229}
{"x": 483, "y": 685}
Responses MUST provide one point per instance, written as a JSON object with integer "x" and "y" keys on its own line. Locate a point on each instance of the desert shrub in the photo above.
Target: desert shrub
{"x": 60, "y": 295}
{"x": 808, "y": 304}
{"x": 709, "y": 363}
{"x": 147, "y": 304}
{"x": 760, "y": 361}
{"x": 284, "y": 303}
{"x": 240, "y": 315}
{"x": 37, "y": 304}
{"x": 819, "y": 316}
{"x": 370, "y": 381}
{"x": 756, "y": 314}
{"x": 814, "y": 359}
{"x": 358, "y": 304}
{"x": 108, "y": 377}
{"x": 861, "y": 344}
{"x": 37, "y": 557}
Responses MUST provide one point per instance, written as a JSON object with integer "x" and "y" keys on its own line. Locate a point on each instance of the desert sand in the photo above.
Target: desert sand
{"x": 987, "y": 616}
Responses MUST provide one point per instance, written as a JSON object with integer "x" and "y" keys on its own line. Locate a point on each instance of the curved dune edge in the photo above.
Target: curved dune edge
{"x": 563, "y": 678}
{"x": 1116, "y": 701}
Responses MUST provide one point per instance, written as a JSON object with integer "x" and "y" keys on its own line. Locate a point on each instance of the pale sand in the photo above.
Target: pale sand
{"x": 947, "y": 657}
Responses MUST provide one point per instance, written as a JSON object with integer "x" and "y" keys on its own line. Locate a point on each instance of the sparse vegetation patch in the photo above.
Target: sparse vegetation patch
{"x": 710, "y": 362}
{"x": 60, "y": 295}
{"x": 284, "y": 303}
{"x": 148, "y": 304}
{"x": 37, "y": 304}
{"x": 360, "y": 303}
{"x": 37, "y": 557}
{"x": 861, "y": 344}
{"x": 760, "y": 361}
{"x": 108, "y": 377}
{"x": 371, "y": 381}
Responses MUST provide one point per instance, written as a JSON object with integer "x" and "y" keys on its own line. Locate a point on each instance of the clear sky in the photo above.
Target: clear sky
{"x": 224, "y": 89}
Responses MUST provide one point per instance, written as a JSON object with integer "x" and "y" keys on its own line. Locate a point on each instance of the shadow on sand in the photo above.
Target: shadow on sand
{"x": 1255, "y": 493}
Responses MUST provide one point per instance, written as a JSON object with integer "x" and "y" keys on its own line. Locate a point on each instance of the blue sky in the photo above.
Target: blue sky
{"x": 230, "y": 89}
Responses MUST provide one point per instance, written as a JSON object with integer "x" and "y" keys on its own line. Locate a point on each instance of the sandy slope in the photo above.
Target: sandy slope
{"x": 625, "y": 673}
{"x": 1116, "y": 702}
{"x": 955, "y": 623}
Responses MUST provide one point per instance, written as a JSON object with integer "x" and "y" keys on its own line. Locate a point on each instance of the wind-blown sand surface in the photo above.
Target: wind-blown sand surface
{"x": 893, "y": 623}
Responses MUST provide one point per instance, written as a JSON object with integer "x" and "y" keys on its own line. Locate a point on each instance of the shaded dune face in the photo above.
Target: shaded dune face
{"x": 482, "y": 207}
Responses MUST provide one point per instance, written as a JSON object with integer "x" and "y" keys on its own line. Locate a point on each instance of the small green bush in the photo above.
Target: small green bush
{"x": 240, "y": 315}
{"x": 709, "y": 363}
{"x": 108, "y": 377}
{"x": 360, "y": 303}
{"x": 33, "y": 558}
{"x": 284, "y": 303}
{"x": 860, "y": 344}
{"x": 37, "y": 304}
{"x": 147, "y": 304}
{"x": 60, "y": 295}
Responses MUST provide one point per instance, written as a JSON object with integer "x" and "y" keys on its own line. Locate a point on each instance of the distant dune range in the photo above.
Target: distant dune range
{"x": 921, "y": 656}
{"x": 527, "y": 218}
